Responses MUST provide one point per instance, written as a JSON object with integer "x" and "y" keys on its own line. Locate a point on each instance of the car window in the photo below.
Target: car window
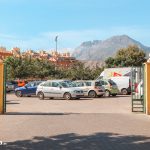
{"x": 105, "y": 83}
{"x": 47, "y": 84}
{"x": 31, "y": 84}
{"x": 28, "y": 85}
{"x": 8, "y": 83}
{"x": 72, "y": 84}
{"x": 98, "y": 83}
{"x": 64, "y": 84}
{"x": 14, "y": 82}
{"x": 37, "y": 83}
{"x": 55, "y": 84}
{"x": 102, "y": 82}
{"x": 79, "y": 84}
{"x": 88, "y": 83}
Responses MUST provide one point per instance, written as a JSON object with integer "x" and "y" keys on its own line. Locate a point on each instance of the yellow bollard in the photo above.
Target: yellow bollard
{"x": 1, "y": 88}
{"x": 147, "y": 87}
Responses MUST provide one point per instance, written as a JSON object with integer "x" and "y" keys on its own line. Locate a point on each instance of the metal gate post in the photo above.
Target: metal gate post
{"x": 147, "y": 87}
{"x": 137, "y": 90}
{"x": 2, "y": 89}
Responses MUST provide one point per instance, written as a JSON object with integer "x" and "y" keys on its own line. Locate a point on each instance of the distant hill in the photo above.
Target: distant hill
{"x": 98, "y": 50}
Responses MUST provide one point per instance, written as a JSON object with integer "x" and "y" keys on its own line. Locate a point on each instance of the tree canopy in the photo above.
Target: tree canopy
{"x": 27, "y": 68}
{"x": 126, "y": 57}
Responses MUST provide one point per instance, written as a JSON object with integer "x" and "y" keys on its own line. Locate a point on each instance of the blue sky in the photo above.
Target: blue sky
{"x": 33, "y": 24}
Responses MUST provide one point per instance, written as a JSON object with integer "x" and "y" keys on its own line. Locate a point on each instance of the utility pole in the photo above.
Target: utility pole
{"x": 56, "y": 38}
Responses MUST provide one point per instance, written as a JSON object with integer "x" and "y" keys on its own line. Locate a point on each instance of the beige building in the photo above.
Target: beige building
{"x": 63, "y": 60}
{"x": 59, "y": 59}
{"x": 4, "y": 53}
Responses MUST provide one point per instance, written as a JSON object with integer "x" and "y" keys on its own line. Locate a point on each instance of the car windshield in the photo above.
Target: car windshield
{"x": 31, "y": 84}
{"x": 111, "y": 82}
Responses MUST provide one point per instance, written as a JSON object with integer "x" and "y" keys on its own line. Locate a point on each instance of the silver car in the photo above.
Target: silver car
{"x": 9, "y": 87}
{"x": 58, "y": 89}
{"x": 91, "y": 88}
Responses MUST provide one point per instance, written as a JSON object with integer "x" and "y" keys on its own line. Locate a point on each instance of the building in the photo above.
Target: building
{"x": 16, "y": 51}
{"x": 4, "y": 53}
{"x": 63, "y": 60}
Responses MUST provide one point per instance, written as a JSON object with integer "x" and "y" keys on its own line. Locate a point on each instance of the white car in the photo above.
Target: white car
{"x": 58, "y": 89}
{"x": 91, "y": 88}
{"x": 123, "y": 83}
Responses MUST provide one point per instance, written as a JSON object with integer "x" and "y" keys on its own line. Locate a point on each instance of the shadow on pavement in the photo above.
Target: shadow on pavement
{"x": 8, "y": 103}
{"x": 36, "y": 113}
{"x": 99, "y": 141}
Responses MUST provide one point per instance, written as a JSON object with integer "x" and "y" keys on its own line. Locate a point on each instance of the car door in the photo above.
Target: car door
{"x": 47, "y": 89}
{"x": 83, "y": 87}
{"x": 32, "y": 88}
{"x": 56, "y": 89}
{"x": 26, "y": 89}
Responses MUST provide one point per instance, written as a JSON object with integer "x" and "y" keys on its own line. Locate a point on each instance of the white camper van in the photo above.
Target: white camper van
{"x": 123, "y": 83}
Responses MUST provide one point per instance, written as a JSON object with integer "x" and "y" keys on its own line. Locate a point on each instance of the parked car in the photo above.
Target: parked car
{"x": 123, "y": 83}
{"x": 110, "y": 86}
{"x": 9, "y": 87}
{"x": 91, "y": 88}
{"x": 29, "y": 89}
{"x": 58, "y": 88}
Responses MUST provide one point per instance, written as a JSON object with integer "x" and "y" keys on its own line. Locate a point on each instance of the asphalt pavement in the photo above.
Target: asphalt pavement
{"x": 86, "y": 124}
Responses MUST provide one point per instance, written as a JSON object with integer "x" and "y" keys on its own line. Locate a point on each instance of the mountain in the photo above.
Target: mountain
{"x": 98, "y": 50}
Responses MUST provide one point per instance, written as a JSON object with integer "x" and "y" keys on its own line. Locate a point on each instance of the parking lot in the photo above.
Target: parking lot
{"x": 118, "y": 104}
{"x": 91, "y": 124}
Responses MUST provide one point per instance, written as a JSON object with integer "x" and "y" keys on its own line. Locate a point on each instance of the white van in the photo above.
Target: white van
{"x": 123, "y": 84}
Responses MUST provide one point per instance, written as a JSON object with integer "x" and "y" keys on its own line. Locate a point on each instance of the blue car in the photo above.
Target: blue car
{"x": 27, "y": 90}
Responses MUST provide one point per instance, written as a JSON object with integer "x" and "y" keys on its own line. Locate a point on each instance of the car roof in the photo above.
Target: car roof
{"x": 55, "y": 80}
{"x": 86, "y": 80}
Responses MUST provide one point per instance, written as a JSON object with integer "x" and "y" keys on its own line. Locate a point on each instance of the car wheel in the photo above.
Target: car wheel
{"x": 114, "y": 94}
{"x": 107, "y": 93}
{"x": 40, "y": 95}
{"x": 67, "y": 96}
{"x": 92, "y": 94}
{"x": 18, "y": 93}
{"x": 124, "y": 92}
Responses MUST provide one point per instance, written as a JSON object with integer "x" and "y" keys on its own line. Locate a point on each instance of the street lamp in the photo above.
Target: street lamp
{"x": 56, "y": 38}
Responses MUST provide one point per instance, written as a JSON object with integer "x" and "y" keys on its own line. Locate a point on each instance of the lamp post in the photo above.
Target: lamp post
{"x": 56, "y": 38}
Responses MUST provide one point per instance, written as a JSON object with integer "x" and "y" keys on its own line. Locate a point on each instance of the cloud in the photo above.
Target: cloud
{"x": 68, "y": 40}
